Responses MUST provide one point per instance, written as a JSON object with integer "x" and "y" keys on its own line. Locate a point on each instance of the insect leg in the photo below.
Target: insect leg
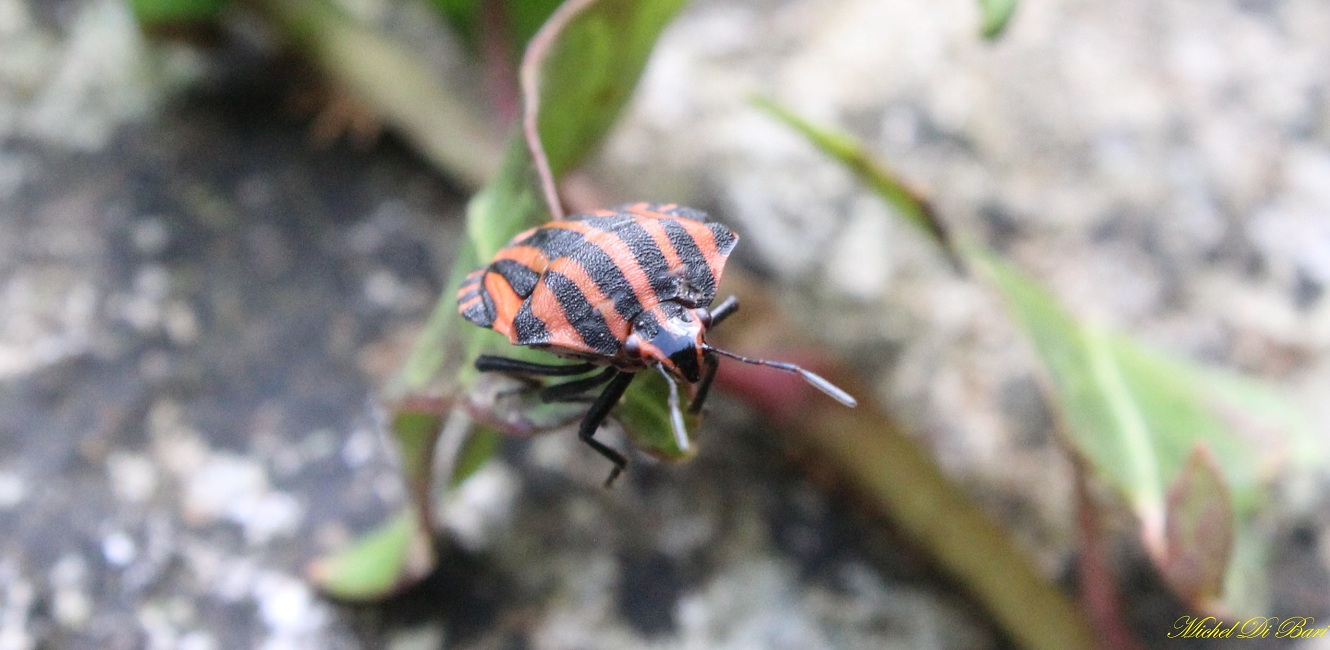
{"x": 491, "y": 363}
{"x": 704, "y": 386}
{"x": 595, "y": 416}
{"x": 573, "y": 389}
{"x": 676, "y": 416}
{"x": 724, "y": 310}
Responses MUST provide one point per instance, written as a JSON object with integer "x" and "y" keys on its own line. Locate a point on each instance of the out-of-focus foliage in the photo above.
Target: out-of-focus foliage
{"x": 519, "y": 20}
{"x": 379, "y": 563}
{"x": 996, "y": 15}
{"x": 1179, "y": 442}
{"x": 155, "y": 13}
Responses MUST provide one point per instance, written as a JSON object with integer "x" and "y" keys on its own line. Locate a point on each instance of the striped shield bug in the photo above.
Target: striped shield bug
{"x": 627, "y": 289}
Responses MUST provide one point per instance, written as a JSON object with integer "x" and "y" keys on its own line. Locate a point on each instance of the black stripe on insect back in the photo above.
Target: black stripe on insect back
{"x": 585, "y": 318}
{"x": 482, "y": 311}
{"x": 519, "y": 276}
{"x": 606, "y": 223}
{"x": 696, "y": 269}
{"x": 601, "y": 268}
{"x": 529, "y": 328}
{"x": 725, "y": 238}
{"x": 554, "y": 242}
{"x": 649, "y": 258}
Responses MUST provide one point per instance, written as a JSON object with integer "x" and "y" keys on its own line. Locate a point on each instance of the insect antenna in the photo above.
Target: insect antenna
{"x": 812, "y": 378}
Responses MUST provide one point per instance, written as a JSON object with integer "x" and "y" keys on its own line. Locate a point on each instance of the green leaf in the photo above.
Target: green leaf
{"x": 525, "y": 18}
{"x": 463, "y": 15}
{"x": 1139, "y": 418}
{"x": 997, "y": 13}
{"x": 394, "y": 556}
{"x": 519, "y": 19}
{"x": 1198, "y": 530}
{"x": 482, "y": 443}
{"x": 646, "y": 418}
{"x": 590, "y": 72}
{"x": 153, "y": 13}
{"x": 1126, "y": 410}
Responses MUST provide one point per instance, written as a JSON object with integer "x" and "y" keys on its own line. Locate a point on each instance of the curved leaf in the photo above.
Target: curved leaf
{"x": 388, "y": 559}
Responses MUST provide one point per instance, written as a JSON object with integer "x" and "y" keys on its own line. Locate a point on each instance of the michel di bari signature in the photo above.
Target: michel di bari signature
{"x": 1256, "y": 627}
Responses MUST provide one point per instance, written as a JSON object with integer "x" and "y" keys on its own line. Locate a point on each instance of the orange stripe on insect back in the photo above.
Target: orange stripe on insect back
{"x": 471, "y": 282}
{"x": 622, "y": 255}
{"x": 574, "y": 271}
{"x": 662, "y": 239}
{"x": 546, "y": 307}
{"x": 506, "y": 303}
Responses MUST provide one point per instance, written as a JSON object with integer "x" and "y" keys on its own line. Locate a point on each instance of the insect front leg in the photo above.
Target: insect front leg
{"x": 704, "y": 386}
{"x": 724, "y": 310}
{"x": 595, "y": 416}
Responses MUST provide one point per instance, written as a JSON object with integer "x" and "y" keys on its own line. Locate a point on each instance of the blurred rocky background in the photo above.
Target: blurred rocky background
{"x": 198, "y": 301}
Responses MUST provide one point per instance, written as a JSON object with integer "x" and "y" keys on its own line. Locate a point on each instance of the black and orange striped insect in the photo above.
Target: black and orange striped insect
{"x": 626, "y": 288}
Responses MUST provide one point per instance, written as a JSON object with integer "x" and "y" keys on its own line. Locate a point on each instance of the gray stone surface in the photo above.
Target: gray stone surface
{"x": 197, "y": 304}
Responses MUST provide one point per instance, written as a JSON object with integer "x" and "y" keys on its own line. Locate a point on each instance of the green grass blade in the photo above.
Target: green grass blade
{"x": 907, "y": 202}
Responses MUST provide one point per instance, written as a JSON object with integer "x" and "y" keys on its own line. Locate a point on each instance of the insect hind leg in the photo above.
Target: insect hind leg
{"x": 491, "y": 363}
{"x": 595, "y": 416}
{"x": 573, "y": 391}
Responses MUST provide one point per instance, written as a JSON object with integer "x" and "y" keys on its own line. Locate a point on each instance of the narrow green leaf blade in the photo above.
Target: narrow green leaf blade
{"x": 646, "y": 418}
{"x": 416, "y": 425}
{"x": 907, "y": 202}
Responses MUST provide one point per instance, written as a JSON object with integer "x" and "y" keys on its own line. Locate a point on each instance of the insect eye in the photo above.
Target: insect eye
{"x": 632, "y": 347}
{"x": 703, "y": 316}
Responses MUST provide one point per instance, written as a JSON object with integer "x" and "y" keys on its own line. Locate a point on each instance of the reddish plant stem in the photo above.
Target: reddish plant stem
{"x": 1099, "y": 591}
{"x": 496, "y": 50}
{"x": 536, "y": 52}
